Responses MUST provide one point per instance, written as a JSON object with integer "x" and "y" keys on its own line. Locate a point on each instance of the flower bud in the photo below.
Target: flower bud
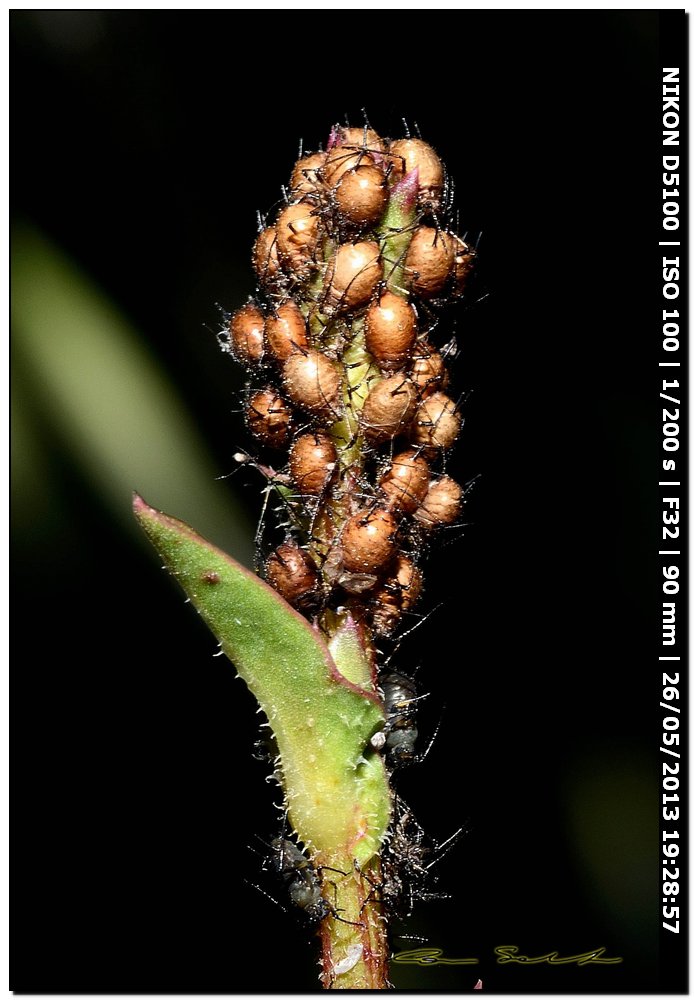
{"x": 305, "y": 177}
{"x": 265, "y": 258}
{"x": 361, "y": 195}
{"x": 410, "y": 153}
{"x": 428, "y": 370}
{"x": 268, "y": 417}
{"x": 246, "y": 334}
{"x": 368, "y": 541}
{"x": 391, "y": 327}
{"x": 442, "y": 504}
{"x": 285, "y": 331}
{"x": 297, "y": 236}
{"x": 353, "y": 274}
{"x": 405, "y": 482}
{"x": 292, "y": 573}
{"x": 429, "y": 260}
{"x": 436, "y": 424}
{"x": 311, "y": 462}
{"x": 313, "y": 383}
{"x": 388, "y": 408}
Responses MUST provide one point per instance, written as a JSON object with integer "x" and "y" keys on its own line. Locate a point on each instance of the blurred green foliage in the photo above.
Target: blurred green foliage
{"x": 82, "y": 368}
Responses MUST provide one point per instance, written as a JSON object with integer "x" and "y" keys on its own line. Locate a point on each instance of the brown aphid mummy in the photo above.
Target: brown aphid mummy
{"x": 266, "y": 261}
{"x": 342, "y": 158}
{"x": 246, "y": 334}
{"x": 352, "y": 275}
{"x": 305, "y": 177}
{"x": 364, "y": 138}
{"x": 388, "y": 408}
{"x": 410, "y": 153}
{"x": 429, "y": 261}
{"x": 428, "y": 370}
{"x": 463, "y": 264}
{"x": 312, "y": 461}
{"x": 268, "y": 417}
{"x": 436, "y": 424}
{"x": 390, "y": 331}
{"x": 408, "y": 579}
{"x": 297, "y": 236}
{"x": 369, "y": 541}
{"x": 361, "y": 195}
{"x": 313, "y": 382}
{"x": 397, "y": 595}
{"x": 285, "y": 331}
{"x": 442, "y": 504}
{"x": 290, "y": 570}
{"x": 405, "y": 482}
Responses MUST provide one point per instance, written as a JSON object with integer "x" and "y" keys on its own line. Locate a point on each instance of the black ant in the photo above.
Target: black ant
{"x": 302, "y": 882}
{"x": 399, "y": 735}
{"x": 300, "y": 878}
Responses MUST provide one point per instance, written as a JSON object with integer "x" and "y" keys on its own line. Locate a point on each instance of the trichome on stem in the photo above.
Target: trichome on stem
{"x": 348, "y": 383}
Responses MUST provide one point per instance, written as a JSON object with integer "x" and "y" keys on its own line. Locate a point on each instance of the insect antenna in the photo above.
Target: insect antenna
{"x": 266, "y": 894}
{"x": 441, "y": 850}
{"x": 410, "y": 630}
{"x": 423, "y": 756}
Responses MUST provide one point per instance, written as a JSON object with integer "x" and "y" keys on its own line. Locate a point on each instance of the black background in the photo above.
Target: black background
{"x": 143, "y": 143}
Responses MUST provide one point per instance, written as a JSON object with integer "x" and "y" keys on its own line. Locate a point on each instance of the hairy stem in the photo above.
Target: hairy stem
{"x": 355, "y": 954}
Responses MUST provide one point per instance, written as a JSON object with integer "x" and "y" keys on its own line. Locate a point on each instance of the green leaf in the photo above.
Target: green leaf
{"x": 336, "y": 787}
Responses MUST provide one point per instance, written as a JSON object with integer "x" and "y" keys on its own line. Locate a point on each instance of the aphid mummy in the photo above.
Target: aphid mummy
{"x": 348, "y": 378}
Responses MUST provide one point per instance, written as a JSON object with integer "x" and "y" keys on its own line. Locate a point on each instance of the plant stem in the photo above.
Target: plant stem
{"x": 354, "y": 957}
{"x": 360, "y": 374}
{"x": 396, "y": 231}
{"x": 355, "y": 954}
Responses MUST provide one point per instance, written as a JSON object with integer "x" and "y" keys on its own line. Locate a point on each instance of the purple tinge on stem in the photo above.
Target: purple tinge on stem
{"x": 405, "y": 192}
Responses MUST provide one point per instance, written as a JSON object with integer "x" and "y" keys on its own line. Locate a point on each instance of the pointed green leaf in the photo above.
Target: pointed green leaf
{"x": 336, "y": 787}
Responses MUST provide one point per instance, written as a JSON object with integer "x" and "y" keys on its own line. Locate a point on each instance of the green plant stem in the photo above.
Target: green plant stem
{"x": 361, "y": 372}
{"x": 355, "y": 955}
{"x": 395, "y": 234}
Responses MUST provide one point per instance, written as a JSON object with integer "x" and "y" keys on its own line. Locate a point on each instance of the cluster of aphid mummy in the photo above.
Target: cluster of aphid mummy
{"x": 345, "y": 374}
